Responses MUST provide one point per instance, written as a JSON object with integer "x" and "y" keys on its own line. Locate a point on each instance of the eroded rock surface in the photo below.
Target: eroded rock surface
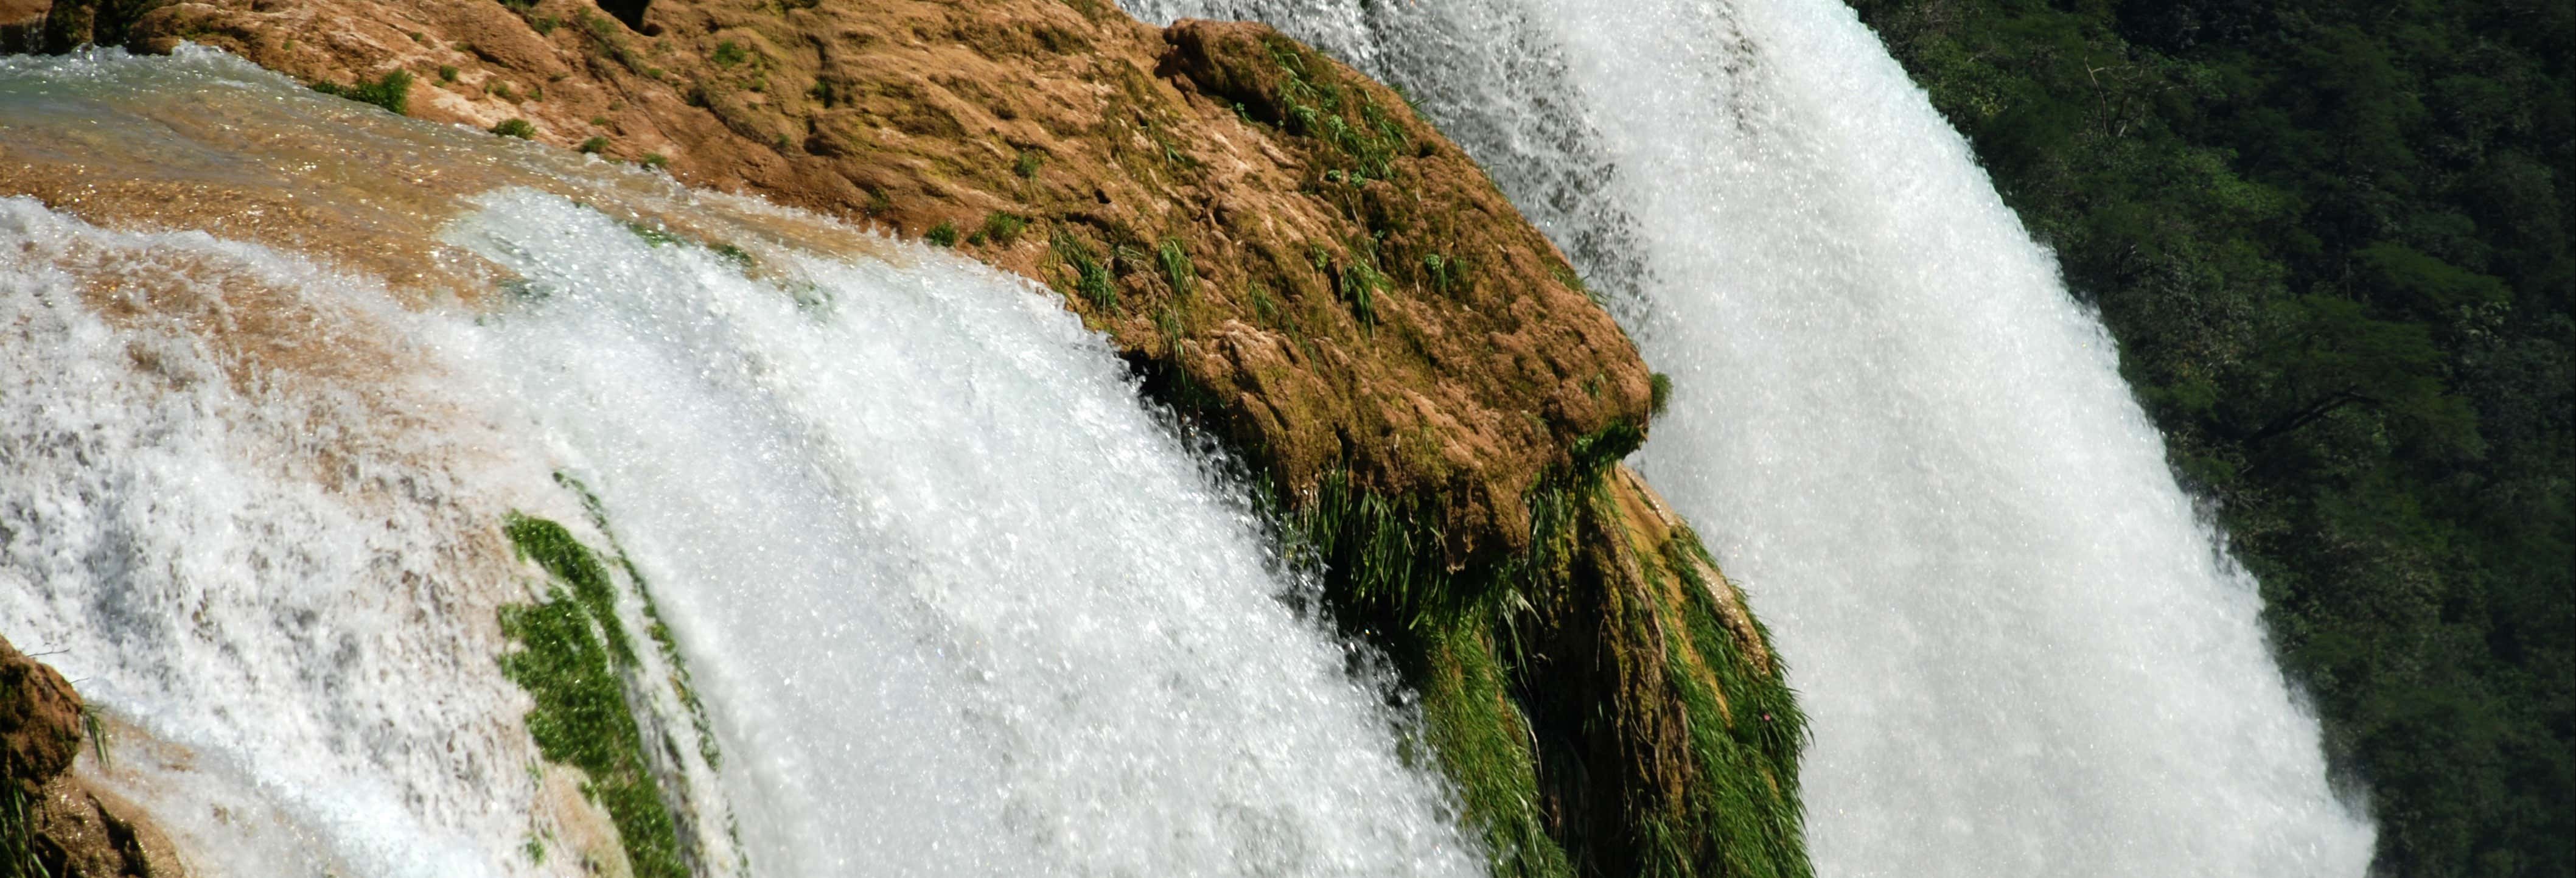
{"x": 57, "y": 820}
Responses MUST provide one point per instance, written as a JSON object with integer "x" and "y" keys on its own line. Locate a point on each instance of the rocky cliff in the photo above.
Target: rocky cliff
{"x": 1282, "y": 250}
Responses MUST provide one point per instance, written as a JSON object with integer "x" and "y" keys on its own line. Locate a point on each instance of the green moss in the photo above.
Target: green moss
{"x": 572, "y": 658}
{"x": 569, "y": 562}
{"x": 391, "y": 91}
{"x": 581, "y": 719}
{"x": 682, "y": 684}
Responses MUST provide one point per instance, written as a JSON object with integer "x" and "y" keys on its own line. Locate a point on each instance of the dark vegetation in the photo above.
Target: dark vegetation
{"x": 2331, "y": 239}
{"x": 391, "y": 91}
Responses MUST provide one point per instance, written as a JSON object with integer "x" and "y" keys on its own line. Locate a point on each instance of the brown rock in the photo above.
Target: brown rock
{"x": 40, "y": 721}
{"x": 82, "y": 831}
{"x": 73, "y": 829}
{"x": 22, "y": 25}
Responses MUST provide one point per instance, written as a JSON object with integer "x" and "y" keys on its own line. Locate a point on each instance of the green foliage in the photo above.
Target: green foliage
{"x": 1438, "y": 267}
{"x": 594, "y": 144}
{"x": 447, "y": 73}
{"x": 519, "y": 128}
{"x": 1177, "y": 267}
{"x": 18, "y": 835}
{"x": 581, "y": 717}
{"x": 1659, "y": 393}
{"x": 655, "y": 160}
{"x": 1004, "y": 228}
{"x": 1746, "y": 731}
{"x": 2332, "y": 240}
{"x": 1482, "y": 740}
{"x": 1027, "y": 164}
{"x": 1358, "y": 280}
{"x": 610, "y": 38}
{"x": 729, "y": 53}
{"x": 944, "y": 234}
{"x": 1091, "y": 277}
{"x": 1263, "y": 306}
{"x": 1497, "y": 648}
{"x": 391, "y": 91}
{"x": 572, "y": 564}
{"x": 1344, "y": 117}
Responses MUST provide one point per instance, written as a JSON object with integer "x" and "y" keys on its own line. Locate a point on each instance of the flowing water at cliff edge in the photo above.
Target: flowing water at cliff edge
{"x": 898, "y": 573}
{"x": 2022, "y": 651}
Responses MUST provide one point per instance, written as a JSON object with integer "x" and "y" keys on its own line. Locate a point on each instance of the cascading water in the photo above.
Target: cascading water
{"x": 953, "y": 601}
{"x": 2021, "y": 649}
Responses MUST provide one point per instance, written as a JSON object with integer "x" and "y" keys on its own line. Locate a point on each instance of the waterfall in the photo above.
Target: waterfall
{"x": 2022, "y": 649}
{"x": 914, "y": 583}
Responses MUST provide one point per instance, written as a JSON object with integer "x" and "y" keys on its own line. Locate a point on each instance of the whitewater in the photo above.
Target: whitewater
{"x": 942, "y": 597}
{"x": 2022, "y": 648}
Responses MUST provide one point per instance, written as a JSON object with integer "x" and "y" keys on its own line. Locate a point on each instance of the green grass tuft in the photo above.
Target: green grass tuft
{"x": 519, "y": 128}
{"x": 594, "y": 144}
{"x": 1091, "y": 277}
{"x": 1177, "y": 267}
{"x": 1027, "y": 163}
{"x": 391, "y": 91}
{"x": 1659, "y": 387}
{"x": 944, "y": 234}
{"x": 729, "y": 53}
{"x": 1004, "y": 228}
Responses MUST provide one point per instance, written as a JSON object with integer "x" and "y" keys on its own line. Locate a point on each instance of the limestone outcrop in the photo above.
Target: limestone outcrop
{"x": 1287, "y": 255}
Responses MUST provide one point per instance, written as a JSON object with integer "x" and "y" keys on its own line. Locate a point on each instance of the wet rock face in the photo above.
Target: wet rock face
{"x": 59, "y": 821}
{"x": 40, "y": 722}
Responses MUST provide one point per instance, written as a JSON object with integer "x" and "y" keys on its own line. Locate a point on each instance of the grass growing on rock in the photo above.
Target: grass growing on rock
{"x": 1613, "y": 616}
{"x": 571, "y": 649}
{"x": 1090, "y": 275}
{"x": 391, "y": 91}
{"x": 1004, "y": 228}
